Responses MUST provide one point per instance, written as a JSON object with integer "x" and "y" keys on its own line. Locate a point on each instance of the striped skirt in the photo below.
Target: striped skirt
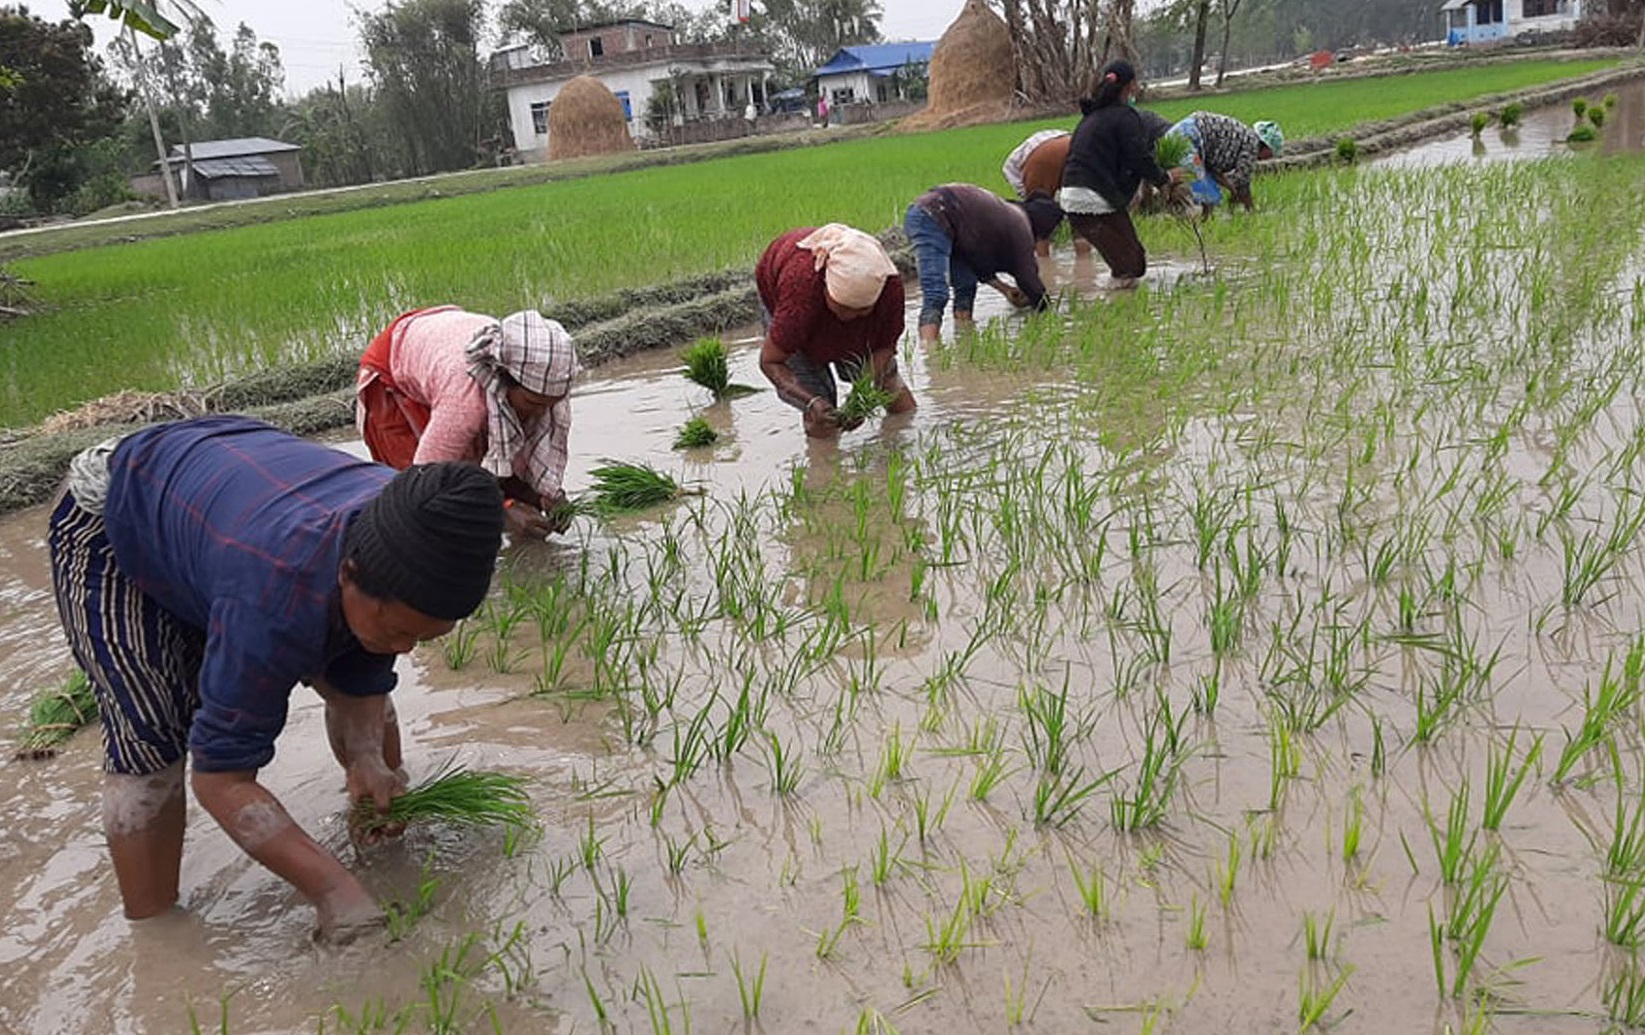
{"x": 143, "y": 662}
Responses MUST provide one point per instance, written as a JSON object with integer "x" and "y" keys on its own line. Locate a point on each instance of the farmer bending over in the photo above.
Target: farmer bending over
{"x": 1035, "y": 167}
{"x": 205, "y": 567}
{"x": 829, "y": 297}
{"x": 964, "y": 234}
{"x": 444, "y": 384}
{"x": 1109, "y": 157}
{"x": 1223, "y": 154}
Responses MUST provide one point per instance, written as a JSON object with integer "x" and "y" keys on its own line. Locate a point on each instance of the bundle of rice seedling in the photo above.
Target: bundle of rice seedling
{"x": 696, "y": 433}
{"x": 621, "y": 487}
{"x": 456, "y": 794}
{"x": 586, "y": 118}
{"x": 708, "y": 364}
{"x": 56, "y": 714}
{"x": 866, "y": 396}
{"x": 973, "y": 72}
{"x": 1172, "y": 150}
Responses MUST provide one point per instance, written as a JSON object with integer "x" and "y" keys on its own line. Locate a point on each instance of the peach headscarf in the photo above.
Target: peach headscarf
{"x": 855, "y": 265}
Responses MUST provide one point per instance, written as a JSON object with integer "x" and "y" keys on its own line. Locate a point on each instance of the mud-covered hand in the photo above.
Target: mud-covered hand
{"x": 1015, "y": 295}
{"x": 557, "y": 513}
{"x": 346, "y": 913}
{"x": 524, "y": 521}
{"x": 372, "y": 787}
{"x": 822, "y": 420}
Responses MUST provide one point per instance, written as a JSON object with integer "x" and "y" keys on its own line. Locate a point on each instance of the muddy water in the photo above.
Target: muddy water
{"x": 890, "y": 601}
{"x": 1542, "y": 134}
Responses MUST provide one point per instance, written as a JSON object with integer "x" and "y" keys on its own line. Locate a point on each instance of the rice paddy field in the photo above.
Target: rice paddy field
{"x": 191, "y": 310}
{"x": 1259, "y": 651}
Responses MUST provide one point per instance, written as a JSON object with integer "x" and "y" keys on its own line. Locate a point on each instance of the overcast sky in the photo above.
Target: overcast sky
{"x": 315, "y": 37}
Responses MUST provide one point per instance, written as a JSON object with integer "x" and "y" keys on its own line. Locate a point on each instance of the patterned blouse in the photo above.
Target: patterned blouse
{"x": 1229, "y": 149}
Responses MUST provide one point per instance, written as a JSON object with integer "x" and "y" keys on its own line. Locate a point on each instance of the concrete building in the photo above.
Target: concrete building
{"x": 228, "y": 170}
{"x": 876, "y": 73}
{"x": 661, "y": 84}
{"x": 1481, "y": 21}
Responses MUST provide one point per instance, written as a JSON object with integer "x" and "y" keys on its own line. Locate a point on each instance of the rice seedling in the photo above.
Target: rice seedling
{"x": 1623, "y": 993}
{"x": 695, "y": 434}
{"x": 55, "y": 714}
{"x": 1058, "y": 799}
{"x": 1511, "y": 115}
{"x": 1471, "y": 913}
{"x": 865, "y": 398}
{"x": 1092, "y": 883}
{"x": 1454, "y": 846}
{"x": 457, "y": 795}
{"x": 1582, "y": 134}
{"x": 623, "y": 488}
{"x": 1314, "y": 997}
{"x": 1500, "y": 785}
{"x": 1226, "y": 870}
{"x": 749, "y": 990}
{"x": 1347, "y": 150}
{"x": 1596, "y": 116}
{"x": 708, "y": 364}
{"x": 1171, "y": 150}
{"x": 1351, "y": 826}
{"x": 1617, "y": 694}
{"x": 1196, "y": 925}
{"x": 1579, "y": 106}
{"x": 1625, "y": 911}
{"x": 658, "y": 1010}
{"x": 403, "y": 915}
{"x": 460, "y": 646}
{"x": 1316, "y": 935}
{"x": 927, "y": 823}
{"x": 784, "y": 769}
{"x": 1478, "y": 123}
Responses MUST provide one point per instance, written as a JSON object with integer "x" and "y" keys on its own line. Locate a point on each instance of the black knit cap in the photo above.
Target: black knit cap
{"x": 429, "y": 539}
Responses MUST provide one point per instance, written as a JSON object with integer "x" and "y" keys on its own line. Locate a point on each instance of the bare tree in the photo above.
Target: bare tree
{"x": 1228, "y": 9}
{"x": 1202, "y": 13}
{"x": 1056, "y": 42}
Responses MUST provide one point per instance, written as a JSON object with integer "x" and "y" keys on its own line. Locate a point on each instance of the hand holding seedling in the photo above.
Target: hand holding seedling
{"x": 373, "y": 786}
{"x": 822, "y": 419}
{"x": 523, "y": 521}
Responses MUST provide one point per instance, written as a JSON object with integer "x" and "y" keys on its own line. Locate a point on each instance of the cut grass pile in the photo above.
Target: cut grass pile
{"x": 461, "y": 796}
{"x": 56, "y": 714}
{"x": 196, "y": 309}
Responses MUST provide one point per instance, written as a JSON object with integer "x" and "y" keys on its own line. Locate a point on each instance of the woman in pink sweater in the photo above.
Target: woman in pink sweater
{"x": 445, "y": 384}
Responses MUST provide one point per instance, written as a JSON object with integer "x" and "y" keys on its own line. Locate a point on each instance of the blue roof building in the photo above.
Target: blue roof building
{"x": 871, "y": 72}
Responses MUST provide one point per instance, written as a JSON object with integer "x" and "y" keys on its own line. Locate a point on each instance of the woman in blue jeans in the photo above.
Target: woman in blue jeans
{"x": 964, "y": 235}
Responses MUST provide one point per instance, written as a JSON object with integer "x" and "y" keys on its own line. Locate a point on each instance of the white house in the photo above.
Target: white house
{"x": 636, "y": 60}
{"x": 873, "y": 72}
{"x": 1480, "y": 21}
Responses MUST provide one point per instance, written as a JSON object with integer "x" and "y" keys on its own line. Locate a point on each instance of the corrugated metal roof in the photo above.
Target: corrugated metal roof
{"x": 877, "y": 57}
{"x": 219, "y": 168}
{"x": 236, "y": 148}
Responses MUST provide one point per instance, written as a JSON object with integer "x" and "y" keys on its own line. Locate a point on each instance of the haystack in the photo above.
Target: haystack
{"x": 973, "y": 72}
{"x": 587, "y": 119}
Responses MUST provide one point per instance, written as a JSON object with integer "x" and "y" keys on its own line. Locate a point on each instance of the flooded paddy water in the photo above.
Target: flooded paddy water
{"x": 1541, "y": 134}
{"x": 1173, "y": 668}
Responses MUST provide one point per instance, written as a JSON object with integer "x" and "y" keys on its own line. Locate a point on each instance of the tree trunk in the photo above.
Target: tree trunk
{"x": 1222, "y": 55}
{"x": 141, "y": 75}
{"x": 1202, "y": 13}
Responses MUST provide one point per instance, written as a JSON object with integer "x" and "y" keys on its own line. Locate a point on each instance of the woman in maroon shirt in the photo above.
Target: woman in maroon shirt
{"x": 831, "y": 301}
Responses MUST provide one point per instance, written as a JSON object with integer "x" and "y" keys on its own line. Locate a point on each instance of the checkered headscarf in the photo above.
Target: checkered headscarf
{"x": 535, "y": 353}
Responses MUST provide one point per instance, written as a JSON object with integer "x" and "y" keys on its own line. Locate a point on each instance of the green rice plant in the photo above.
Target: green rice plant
{"x": 402, "y": 915}
{"x": 1058, "y": 799}
{"x": 865, "y": 398}
{"x": 1471, "y": 912}
{"x": 785, "y": 770}
{"x": 1196, "y": 939}
{"x": 1579, "y": 106}
{"x": 1625, "y": 856}
{"x": 461, "y": 645}
{"x": 1226, "y": 870}
{"x": 1316, "y": 935}
{"x": 1625, "y": 912}
{"x": 945, "y": 939}
{"x": 1347, "y": 150}
{"x": 991, "y": 772}
{"x": 1314, "y": 997}
{"x": 1501, "y": 785}
{"x": 1352, "y": 824}
{"x": 884, "y": 861}
{"x": 458, "y": 795}
{"x": 1171, "y": 150}
{"x": 1597, "y": 117}
{"x": 1479, "y": 122}
{"x": 55, "y": 714}
{"x": 708, "y": 364}
{"x": 1093, "y": 888}
{"x": 749, "y": 991}
{"x": 1511, "y": 115}
{"x": 590, "y": 846}
{"x": 1618, "y": 694}
{"x": 1623, "y": 993}
{"x": 1582, "y": 134}
{"x": 622, "y": 488}
{"x": 1284, "y": 757}
{"x": 657, "y": 1008}
{"x": 695, "y": 434}
{"x": 1610, "y": 100}
{"x": 1156, "y": 781}
{"x": 1454, "y": 845}
{"x": 1048, "y": 728}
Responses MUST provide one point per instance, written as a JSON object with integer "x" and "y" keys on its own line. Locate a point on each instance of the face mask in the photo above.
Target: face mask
{"x": 1132, "y": 100}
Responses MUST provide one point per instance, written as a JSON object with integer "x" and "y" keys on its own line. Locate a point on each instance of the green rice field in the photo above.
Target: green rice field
{"x": 191, "y": 310}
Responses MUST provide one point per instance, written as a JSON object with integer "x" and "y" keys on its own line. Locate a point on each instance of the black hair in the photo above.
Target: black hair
{"x": 1108, "y": 84}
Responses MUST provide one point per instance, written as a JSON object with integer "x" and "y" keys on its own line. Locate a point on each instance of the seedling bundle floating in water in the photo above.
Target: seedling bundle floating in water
{"x": 707, "y": 364}
{"x": 458, "y": 795}
{"x": 56, "y": 714}
{"x": 696, "y": 433}
{"x": 621, "y": 488}
{"x": 866, "y": 396}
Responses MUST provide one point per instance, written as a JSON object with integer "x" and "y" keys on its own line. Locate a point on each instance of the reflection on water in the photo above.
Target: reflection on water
{"x": 1542, "y": 133}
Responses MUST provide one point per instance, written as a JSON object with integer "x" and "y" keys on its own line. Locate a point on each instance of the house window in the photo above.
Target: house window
{"x": 628, "y": 109}
{"x": 539, "y": 118}
{"x": 1541, "y": 8}
{"x": 648, "y": 41}
{"x": 596, "y": 47}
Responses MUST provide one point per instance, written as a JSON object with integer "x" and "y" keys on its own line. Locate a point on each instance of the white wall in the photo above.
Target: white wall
{"x": 860, "y": 82}
{"x": 1514, "y": 11}
{"x": 637, "y": 81}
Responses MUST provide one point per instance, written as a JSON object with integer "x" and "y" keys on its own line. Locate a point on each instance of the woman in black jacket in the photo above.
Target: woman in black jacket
{"x": 1110, "y": 155}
